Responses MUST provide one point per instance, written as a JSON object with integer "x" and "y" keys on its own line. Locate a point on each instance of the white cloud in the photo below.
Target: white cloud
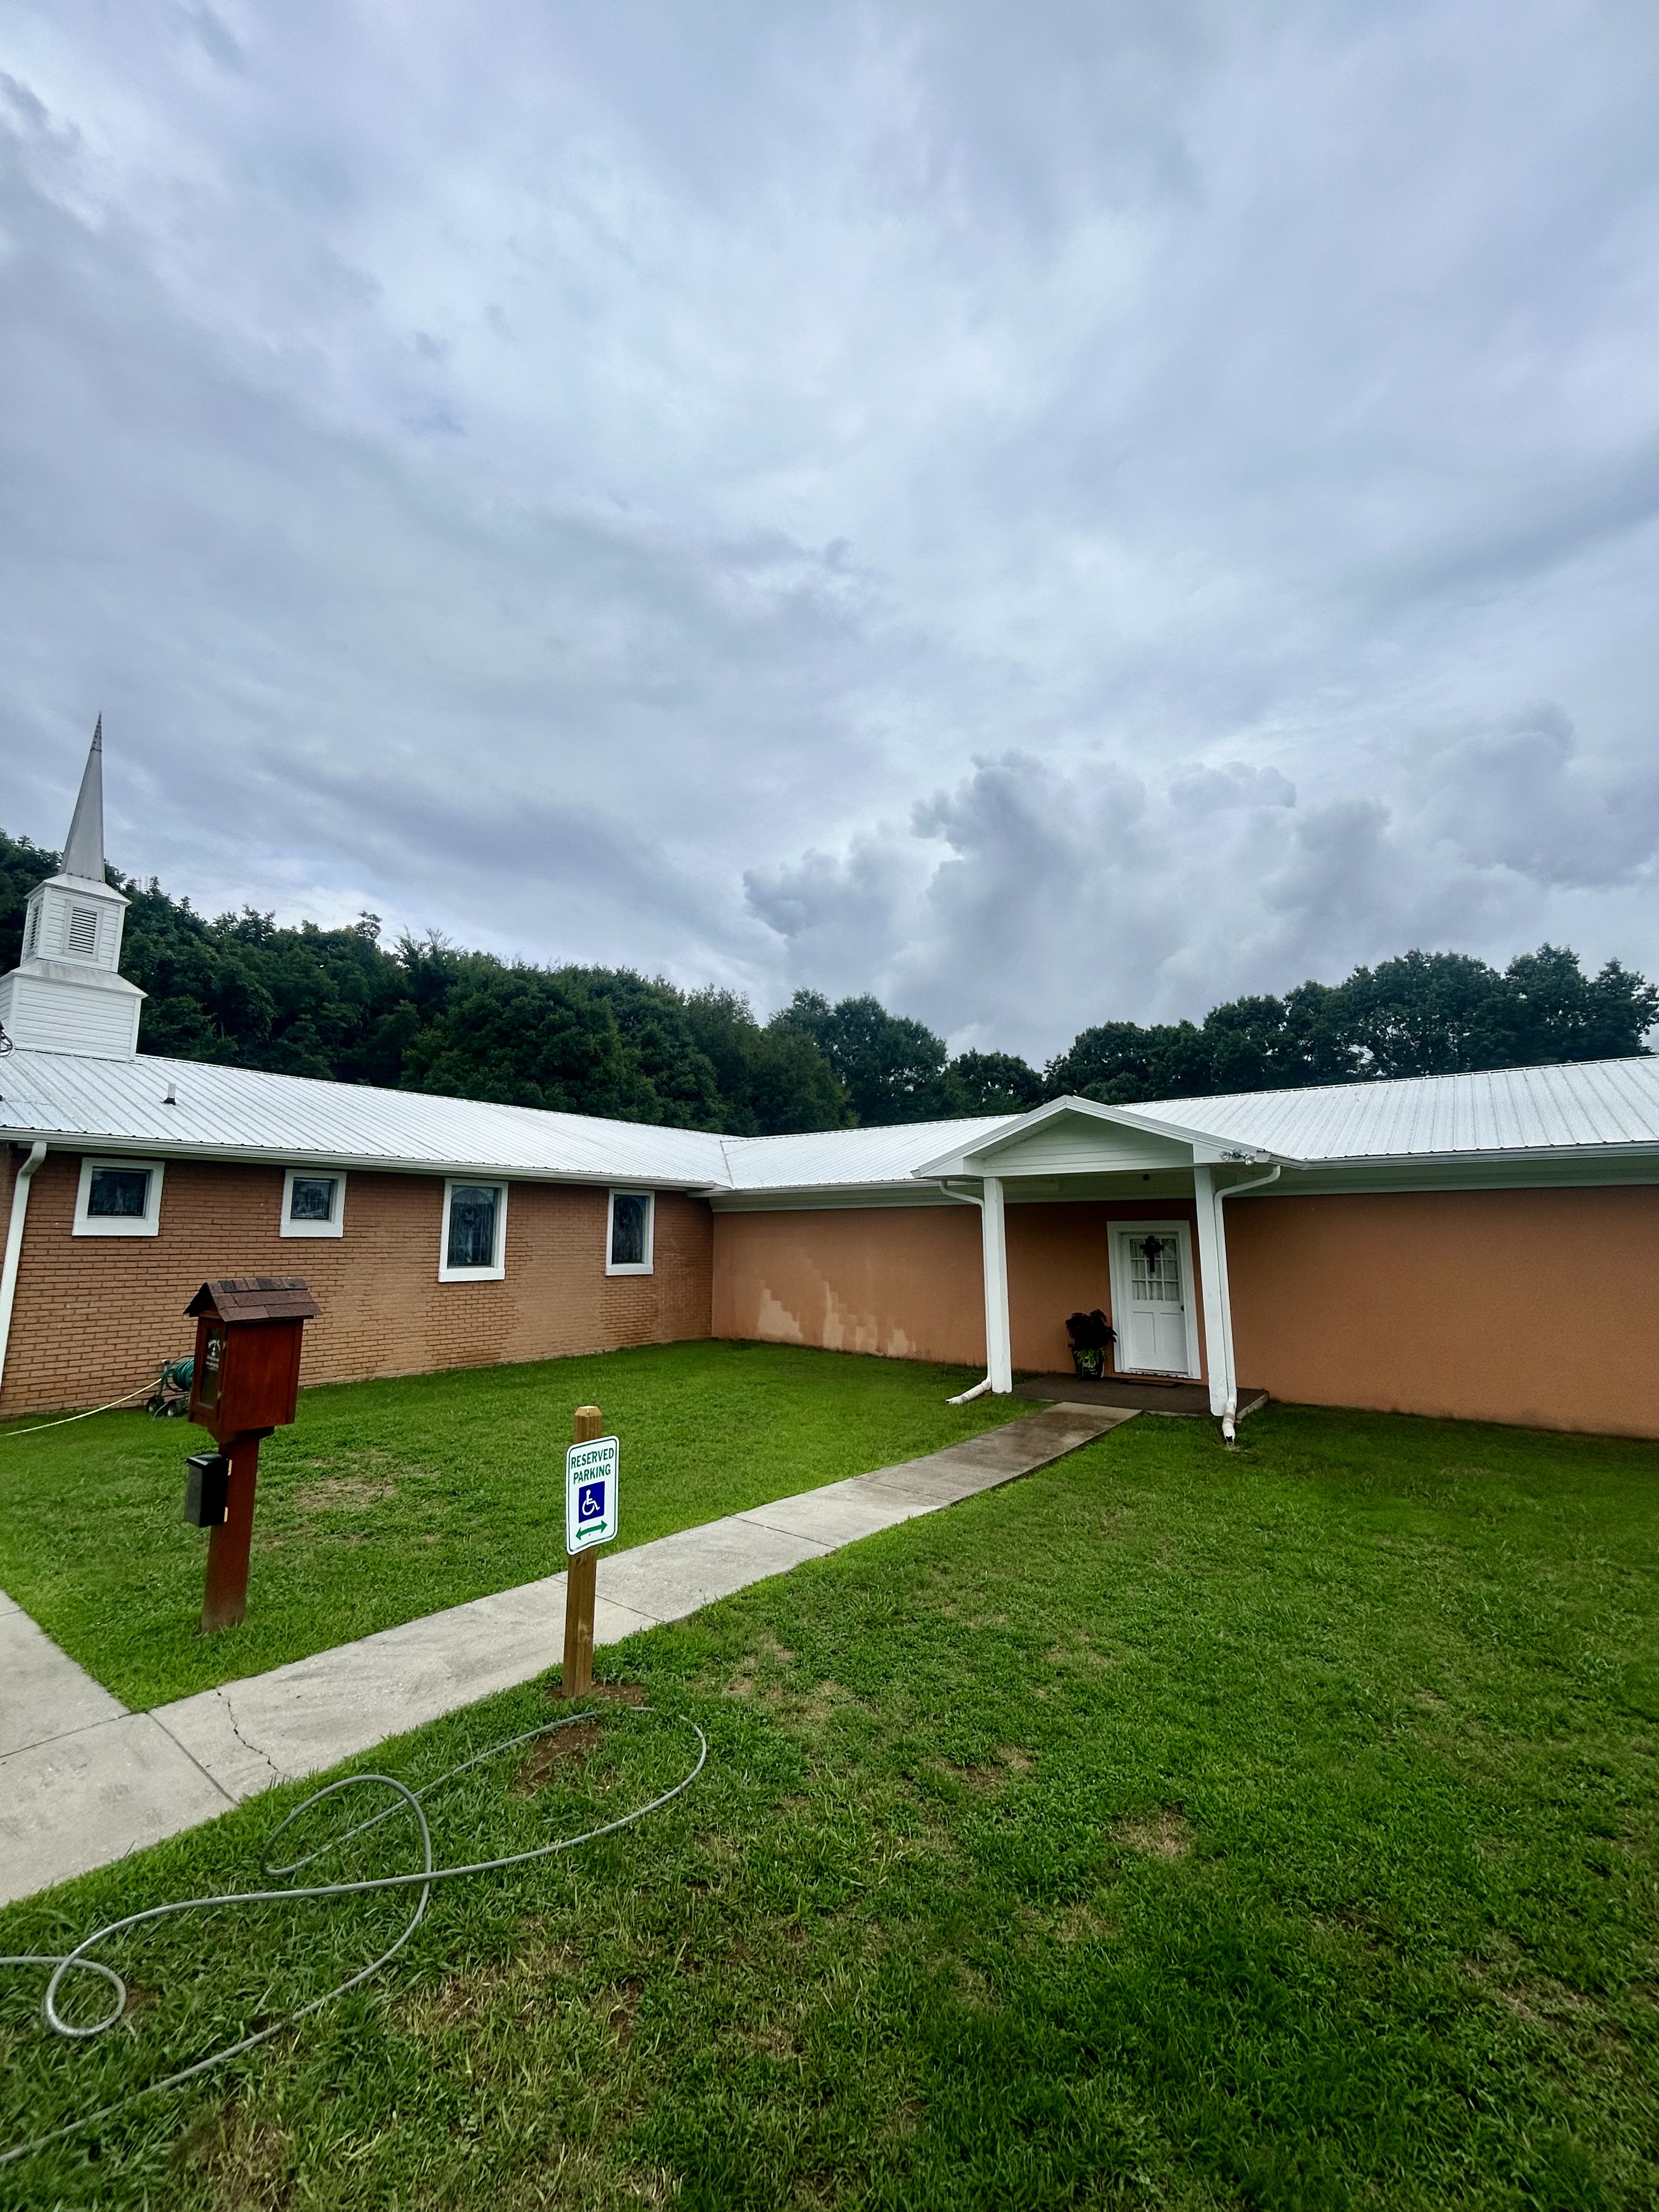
{"x": 1041, "y": 514}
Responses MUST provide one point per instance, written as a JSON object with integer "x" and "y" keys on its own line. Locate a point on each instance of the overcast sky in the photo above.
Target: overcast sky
{"x": 1046, "y": 511}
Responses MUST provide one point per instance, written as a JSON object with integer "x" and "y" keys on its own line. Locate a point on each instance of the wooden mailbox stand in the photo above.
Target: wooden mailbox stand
{"x": 246, "y": 1383}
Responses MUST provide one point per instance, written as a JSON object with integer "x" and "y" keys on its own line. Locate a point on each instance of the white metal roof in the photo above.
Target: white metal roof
{"x": 239, "y": 1112}
{"x": 1582, "y": 1105}
{"x": 821, "y": 1159}
{"x": 243, "y": 1113}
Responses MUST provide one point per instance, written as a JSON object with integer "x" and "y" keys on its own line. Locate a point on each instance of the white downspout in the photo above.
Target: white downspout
{"x": 1217, "y": 1291}
{"x": 999, "y": 1354}
{"x": 19, "y": 1207}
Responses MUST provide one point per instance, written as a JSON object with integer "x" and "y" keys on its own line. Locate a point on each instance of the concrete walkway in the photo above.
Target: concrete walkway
{"x": 84, "y": 1782}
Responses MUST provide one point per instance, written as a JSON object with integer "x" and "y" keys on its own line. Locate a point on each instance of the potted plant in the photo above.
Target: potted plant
{"x": 1090, "y": 1335}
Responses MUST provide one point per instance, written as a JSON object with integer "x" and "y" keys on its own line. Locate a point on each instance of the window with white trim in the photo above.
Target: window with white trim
{"x": 474, "y": 1243}
{"x": 33, "y": 937}
{"x": 80, "y": 933}
{"x": 118, "y": 1198}
{"x": 313, "y": 1203}
{"x": 628, "y": 1232}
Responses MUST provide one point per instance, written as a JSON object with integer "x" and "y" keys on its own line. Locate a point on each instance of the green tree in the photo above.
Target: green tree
{"x": 892, "y": 1067}
{"x": 523, "y": 1038}
{"x": 651, "y": 1019}
{"x": 990, "y": 1083}
{"x": 772, "y": 1080}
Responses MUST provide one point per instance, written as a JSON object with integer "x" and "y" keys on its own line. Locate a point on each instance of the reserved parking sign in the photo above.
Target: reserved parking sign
{"x": 591, "y": 1484}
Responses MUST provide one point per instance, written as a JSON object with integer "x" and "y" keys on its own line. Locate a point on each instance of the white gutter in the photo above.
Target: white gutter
{"x": 19, "y": 1207}
{"x": 170, "y": 1147}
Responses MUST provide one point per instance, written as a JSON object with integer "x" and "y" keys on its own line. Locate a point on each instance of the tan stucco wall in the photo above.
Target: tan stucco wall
{"x": 905, "y": 1282}
{"x": 97, "y": 1315}
{"x": 1540, "y": 1307}
{"x": 902, "y": 1281}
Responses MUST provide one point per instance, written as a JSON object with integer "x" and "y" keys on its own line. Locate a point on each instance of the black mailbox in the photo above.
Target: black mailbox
{"x": 207, "y": 1489}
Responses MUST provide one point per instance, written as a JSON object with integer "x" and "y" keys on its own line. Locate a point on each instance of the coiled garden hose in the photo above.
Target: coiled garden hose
{"x": 422, "y": 1878}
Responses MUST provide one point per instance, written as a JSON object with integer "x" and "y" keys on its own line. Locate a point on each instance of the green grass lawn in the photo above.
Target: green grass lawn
{"x": 1171, "y": 1828}
{"x": 388, "y": 1500}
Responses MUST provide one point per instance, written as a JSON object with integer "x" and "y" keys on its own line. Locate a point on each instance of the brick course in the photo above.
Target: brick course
{"x": 96, "y": 1315}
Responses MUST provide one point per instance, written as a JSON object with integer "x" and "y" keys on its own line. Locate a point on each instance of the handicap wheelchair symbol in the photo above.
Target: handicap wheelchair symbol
{"x": 590, "y": 1504}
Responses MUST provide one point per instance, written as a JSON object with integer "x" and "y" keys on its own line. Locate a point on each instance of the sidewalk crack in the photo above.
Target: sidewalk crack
{"x": 222, "y": 1694}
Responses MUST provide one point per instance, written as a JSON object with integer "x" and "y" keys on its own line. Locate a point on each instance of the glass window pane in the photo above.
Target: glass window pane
{"x": 117, "y": 1193}
{"x": 627, "y": 1231}
{"x": 473, "y": 1224}
{"x": 313, "y": 1199}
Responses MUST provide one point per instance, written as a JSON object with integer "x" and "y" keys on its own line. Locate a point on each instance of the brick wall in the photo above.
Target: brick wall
{"x": 96, "y": 1315}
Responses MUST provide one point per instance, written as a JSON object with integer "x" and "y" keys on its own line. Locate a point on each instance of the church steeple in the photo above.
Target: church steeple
{"x": 83, "y": 849}
{"x": 67, "y": 993}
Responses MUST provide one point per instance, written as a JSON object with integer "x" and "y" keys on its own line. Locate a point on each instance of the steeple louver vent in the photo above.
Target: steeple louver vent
{"x": 82, "y": 933}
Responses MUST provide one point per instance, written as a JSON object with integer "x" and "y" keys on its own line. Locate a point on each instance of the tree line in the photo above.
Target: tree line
{"x": 426, "y": 1015}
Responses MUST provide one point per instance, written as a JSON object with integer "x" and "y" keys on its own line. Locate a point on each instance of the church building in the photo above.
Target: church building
{"x": 1481, "y": 1246}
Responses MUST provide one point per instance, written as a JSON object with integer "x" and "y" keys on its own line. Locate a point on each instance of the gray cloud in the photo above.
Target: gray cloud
{"x": 1043, "y": 514}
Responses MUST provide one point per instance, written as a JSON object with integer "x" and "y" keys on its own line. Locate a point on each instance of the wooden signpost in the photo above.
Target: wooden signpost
{"x": 245, "y": 1384}
{"x": 591, "y": 1470}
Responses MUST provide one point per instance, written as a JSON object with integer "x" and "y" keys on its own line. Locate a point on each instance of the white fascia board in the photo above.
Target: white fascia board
{"x": 1512, "y": 1171}
{"x": 1206, "y": 1150}
{"x": 823, "y": 1197}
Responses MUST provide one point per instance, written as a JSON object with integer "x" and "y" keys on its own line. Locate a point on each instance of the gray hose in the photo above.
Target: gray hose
{"x": 75, "y": 1961}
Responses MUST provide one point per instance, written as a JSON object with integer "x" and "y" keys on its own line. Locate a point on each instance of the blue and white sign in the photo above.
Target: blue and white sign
{"x": 591, "y": 1486}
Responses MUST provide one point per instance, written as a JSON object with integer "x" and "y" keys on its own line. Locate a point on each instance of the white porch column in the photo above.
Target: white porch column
{"x": 1218, "y": 1305}
{"x": 999, "y": 1343}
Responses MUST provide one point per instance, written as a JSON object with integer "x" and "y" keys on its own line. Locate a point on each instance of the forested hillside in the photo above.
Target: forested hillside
{"x": 427, "y": 1016}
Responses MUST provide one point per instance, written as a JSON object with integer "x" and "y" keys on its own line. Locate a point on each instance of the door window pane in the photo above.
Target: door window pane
{"x": 313, "y": 1199}
{"x": 118, "y": 1193}
{"x": 628, "y": 1230}
{"x": 1155, "y": 1271}
{"x": 472, "y": 1210}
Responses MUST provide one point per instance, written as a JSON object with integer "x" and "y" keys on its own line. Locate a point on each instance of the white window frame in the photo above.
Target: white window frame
{"x": 647, "y": 1266}
{"x": 497, "y": 1270}
{"x": 1182, "y": 1233}
{"x": 335, "y": 1226}
{"x": 147, "y": 1223}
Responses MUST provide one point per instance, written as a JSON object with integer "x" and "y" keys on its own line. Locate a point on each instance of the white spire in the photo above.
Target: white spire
{"x": 83, "y": 850}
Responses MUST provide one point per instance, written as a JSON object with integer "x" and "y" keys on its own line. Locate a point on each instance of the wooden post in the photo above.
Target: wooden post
{"x": 580, "y": 1573}
{"x": 224, "y": 1600}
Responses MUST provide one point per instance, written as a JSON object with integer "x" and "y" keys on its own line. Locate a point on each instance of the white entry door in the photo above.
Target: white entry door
{"x": 1151, "y": 1302}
